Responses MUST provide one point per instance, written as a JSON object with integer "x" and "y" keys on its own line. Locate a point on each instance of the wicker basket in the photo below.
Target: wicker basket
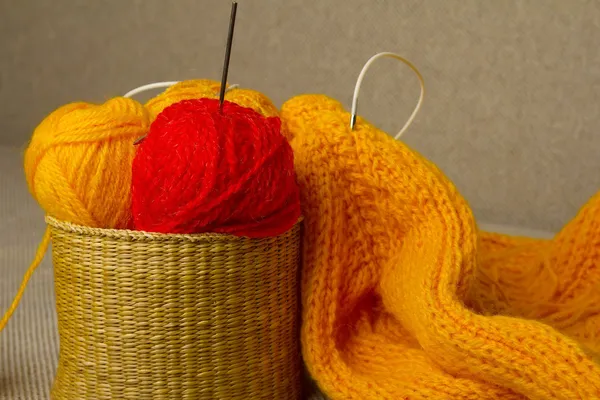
{"x": 155, "y": 316}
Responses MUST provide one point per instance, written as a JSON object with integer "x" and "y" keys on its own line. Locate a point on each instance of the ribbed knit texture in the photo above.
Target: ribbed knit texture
{"x": 404, "y": 298}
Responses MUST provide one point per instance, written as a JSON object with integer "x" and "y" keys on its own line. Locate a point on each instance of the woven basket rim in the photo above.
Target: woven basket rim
{"x": 143, "y": 236}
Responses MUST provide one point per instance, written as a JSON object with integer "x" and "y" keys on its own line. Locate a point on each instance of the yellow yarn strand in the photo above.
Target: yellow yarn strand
{"x": 39, "y": 256}
{"x": 78, "y": 167}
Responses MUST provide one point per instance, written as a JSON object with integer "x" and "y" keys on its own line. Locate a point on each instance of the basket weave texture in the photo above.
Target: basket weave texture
{"x": 157, "y": 316}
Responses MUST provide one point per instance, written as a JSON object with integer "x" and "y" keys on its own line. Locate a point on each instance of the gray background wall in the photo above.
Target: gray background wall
{"x": 512, "y": 108}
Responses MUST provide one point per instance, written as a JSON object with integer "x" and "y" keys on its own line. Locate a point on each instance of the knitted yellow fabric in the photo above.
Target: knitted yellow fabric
{"x": 403, "y": 298}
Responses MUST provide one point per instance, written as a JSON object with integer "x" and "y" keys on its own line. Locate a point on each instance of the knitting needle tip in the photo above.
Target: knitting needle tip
{"x": 227, "y": 55}
{"x": 352, "y": 121}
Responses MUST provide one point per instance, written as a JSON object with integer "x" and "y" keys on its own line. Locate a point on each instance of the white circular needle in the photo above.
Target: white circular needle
{"x": 166, "y": 84}
{"x": 362, "y": 75}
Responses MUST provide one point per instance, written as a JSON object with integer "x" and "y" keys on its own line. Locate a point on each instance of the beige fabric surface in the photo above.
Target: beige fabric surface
{"x": 29, "y": 345}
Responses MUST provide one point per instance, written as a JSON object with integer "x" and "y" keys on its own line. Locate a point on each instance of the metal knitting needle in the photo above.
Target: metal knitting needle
{"x": 225, "y": 64}
{"x": 227, "y": 55}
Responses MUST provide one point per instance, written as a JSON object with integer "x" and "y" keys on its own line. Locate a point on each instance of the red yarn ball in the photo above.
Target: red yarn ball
{"x": 203, "y": 170}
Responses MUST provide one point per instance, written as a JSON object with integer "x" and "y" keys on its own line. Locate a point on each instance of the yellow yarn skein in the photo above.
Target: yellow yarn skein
{"x": 206, "y": 88}
{"x": 78, "y": 163}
